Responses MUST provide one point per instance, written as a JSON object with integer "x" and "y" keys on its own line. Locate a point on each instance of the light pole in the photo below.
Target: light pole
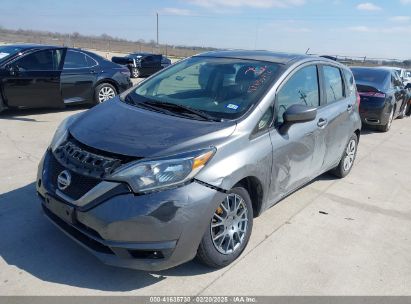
{"x": 157, "y": 29}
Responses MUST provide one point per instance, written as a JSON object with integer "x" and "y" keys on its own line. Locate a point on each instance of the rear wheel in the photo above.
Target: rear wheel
{"x": 135, "y": 73}
{"x": 387, "y": 126}
{"x": 103, "y": 92}
{"x": 347, "y": 159}
{"x": 229, "y": 230}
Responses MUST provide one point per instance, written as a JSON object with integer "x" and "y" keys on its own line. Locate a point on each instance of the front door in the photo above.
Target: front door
{"x": 78, "y": 77}
{"x": 35, "y": 81}
{"x": 295, "y": 150}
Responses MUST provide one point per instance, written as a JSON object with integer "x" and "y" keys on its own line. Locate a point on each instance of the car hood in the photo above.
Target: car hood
{"x": 124, "y": 129}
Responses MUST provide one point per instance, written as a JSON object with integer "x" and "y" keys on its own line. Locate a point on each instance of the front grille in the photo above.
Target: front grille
{"x": 76, "y": 158}
{"x": 80, "y": 184}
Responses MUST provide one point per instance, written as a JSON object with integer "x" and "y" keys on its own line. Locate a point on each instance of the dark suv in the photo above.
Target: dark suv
{"x": 180, "y": 165}
{"x": 143, "y": 64}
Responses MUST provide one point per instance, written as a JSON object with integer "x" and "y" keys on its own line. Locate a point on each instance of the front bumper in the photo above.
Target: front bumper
{"x": 149, "y": 232}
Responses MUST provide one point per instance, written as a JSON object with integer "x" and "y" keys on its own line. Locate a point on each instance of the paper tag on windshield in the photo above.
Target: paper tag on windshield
{"x": 2, "y": 55}
{"x": 232, "y": 106}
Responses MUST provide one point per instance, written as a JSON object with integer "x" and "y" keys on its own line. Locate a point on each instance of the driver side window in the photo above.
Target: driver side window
{"x": 301, "y": 88}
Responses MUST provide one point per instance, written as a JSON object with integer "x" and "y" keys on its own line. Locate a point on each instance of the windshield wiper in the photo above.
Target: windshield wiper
{"x": 181, "y": 109}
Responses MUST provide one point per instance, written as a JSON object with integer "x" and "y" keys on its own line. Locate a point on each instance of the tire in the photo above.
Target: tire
{"x": 387, "y": 126}
{"x": 2, "y": 107}
{"x": 103, "y": 92}
{"x": 347, "y": 159}
{"x": 404, "y": 111}
{"x": 135, "y": 73}
{"x": 210, "y": 252}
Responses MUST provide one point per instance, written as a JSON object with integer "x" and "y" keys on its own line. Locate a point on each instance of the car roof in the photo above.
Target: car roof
{"x": 372, "y": 68}
{"x": 31, "y": 46}
{"x": 269, "y": 56}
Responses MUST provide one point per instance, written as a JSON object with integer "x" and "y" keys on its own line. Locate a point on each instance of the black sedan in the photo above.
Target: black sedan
{"x": 34, "y": 76}
{"x": 383, "y": 96}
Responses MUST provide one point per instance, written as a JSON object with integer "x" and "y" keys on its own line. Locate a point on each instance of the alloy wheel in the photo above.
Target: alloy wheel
{"x": 229, "y": 224}
{"x": 390, "y": 119}
{"x": 106, "y": 93}
{"x": 350, "y": 154}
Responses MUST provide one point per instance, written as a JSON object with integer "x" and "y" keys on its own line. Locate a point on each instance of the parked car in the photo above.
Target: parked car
{"x": 181, "y": 165}
{"x": 401, "y": 72}
{"x": 383, "y": 96}
{"x": 33, "y": 76}
{"x": 143, "y": 64}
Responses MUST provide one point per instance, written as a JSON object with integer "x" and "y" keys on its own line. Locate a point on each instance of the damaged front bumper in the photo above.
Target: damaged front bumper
{"x": 150, "y": 232}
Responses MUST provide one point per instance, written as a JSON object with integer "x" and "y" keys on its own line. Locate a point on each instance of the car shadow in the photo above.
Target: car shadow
{"x": 24, "y": 114}
{"x": 31, "y": 243}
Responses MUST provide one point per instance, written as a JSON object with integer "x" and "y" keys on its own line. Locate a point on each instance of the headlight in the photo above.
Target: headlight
{"x": 155, "y": 174}
{"x": 61, "y": 133}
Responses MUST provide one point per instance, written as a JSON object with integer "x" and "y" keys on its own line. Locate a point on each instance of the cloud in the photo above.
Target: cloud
{"x": 400, "y": 19}
{"x": 405, "y": 1}
{"x": 246, "y": 3}
{"x": 381, "y": 30}
{"x": 368, "y": 6}
{"x": 360, "y": 28}
{"x": 176, "y": 11}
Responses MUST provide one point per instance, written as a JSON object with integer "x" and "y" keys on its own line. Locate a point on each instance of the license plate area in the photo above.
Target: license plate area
{"x": 62, "y": 210}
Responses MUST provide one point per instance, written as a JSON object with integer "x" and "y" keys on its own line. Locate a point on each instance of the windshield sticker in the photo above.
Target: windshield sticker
{"x": 232, "y": 106}
{"x": 2, "y": 55}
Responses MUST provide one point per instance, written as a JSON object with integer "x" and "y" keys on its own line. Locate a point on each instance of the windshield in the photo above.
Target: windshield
{"x": 8, "y": 51}
{"x": 223, "y": 88}
{"x": 375, "y": 76}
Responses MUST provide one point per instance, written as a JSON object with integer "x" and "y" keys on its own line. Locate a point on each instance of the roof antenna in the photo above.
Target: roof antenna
{"x": 306, "y": 52}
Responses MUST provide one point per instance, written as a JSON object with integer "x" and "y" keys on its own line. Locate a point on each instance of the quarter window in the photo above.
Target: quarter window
{"x": 350, "y": 81}
{"x": 333, "y": 84}
{"x": 77, "y": 60}
{"x": 301, "y": 88}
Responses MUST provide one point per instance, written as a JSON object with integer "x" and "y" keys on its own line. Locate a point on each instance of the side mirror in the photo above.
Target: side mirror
{"x": 299, "y": 113}
{"x": 295, "y": 114}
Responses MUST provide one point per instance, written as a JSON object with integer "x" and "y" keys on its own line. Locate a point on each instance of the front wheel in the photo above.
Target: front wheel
{"x": 229, "y": 230}
{"x": 103, "y": 92}
{"x": 347, "y": 160}
{"x": 135, "y": 73}
{"x": 404, "y": 111}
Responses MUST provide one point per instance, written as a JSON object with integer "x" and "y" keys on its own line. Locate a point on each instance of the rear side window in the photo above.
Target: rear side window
{"x": 333, "y": 82}
{"x": 77, "y": 60}
{"x": 349, "y": 79}
{"x": 47, "y": 60}
{"x": 301, "y": 88}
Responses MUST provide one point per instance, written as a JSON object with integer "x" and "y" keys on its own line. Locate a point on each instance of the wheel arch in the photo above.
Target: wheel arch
{"x": 109, "y": 81}
{"x": 254, "y": 188}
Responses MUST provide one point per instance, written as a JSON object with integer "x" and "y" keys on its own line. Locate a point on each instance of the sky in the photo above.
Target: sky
{"x": 378, "y": 29}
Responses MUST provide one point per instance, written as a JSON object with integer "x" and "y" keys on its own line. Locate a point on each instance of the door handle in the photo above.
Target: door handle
{"x": 322, "y": 122}
{"x": 349, "y": 108}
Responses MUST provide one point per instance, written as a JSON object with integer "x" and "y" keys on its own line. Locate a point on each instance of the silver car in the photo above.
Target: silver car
{"x": 181, "y": 164}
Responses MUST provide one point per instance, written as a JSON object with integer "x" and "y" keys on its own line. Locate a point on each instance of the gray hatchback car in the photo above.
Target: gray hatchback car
{"x": 179, "y": 165}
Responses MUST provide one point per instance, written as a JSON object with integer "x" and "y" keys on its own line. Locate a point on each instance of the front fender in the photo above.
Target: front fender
{"x": 238, "y": 159}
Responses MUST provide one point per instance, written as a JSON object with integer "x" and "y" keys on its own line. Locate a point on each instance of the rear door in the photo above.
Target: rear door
{"x": 36, "y": 81}
{"x": 335, "y": 110}
{"x": 297, "y": 151}
{"x": 78, "y": 77}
